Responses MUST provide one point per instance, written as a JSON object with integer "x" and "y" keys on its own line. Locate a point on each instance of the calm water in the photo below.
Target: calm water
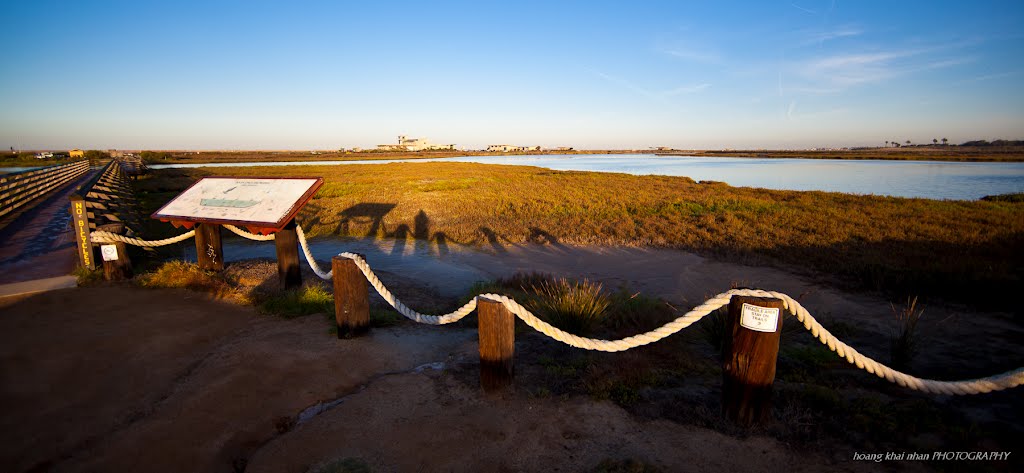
{"x": 10, "y": 170}
{"x": 927, "y": 179}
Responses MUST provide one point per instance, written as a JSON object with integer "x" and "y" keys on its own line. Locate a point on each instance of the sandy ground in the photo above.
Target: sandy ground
{"x": 92, "y": 383}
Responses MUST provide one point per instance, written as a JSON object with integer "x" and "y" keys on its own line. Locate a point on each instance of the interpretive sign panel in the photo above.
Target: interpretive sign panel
{"x": 265, "y": 203}
{"x": 761, "y": 319}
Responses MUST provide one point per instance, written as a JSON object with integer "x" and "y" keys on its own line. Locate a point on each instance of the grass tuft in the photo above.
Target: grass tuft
{"x": 715, "y": 327}
{"x": 182, "y": 274}
{"x": 313, "y": 299}
{"x": 87, "y": 277}
{"x": 903, "y": 345}
{"x": 574, "y": 306}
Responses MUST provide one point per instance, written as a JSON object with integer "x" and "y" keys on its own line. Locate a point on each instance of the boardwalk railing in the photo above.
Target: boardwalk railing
{"x": 133, "y": 166}
{"x": 106, "y": 202}
{"x": 22, "y": 190}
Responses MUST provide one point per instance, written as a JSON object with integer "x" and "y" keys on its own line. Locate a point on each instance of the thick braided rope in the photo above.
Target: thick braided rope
{"x": 107, "y": 237}
{"x": 999, "y": 382}
{"x": 402, "y": 308}
{"x": 309, "y": 256}
{"x": 624, "y": 344}
{"x": 245, "y": 234}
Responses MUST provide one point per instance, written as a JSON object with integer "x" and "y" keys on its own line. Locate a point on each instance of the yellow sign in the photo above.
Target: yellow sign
{"x": 82, "y": 232}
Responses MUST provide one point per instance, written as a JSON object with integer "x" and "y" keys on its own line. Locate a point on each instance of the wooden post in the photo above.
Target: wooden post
{"x": 116, "y": 267}
{"x": 80, "y": 220}
{"x": 497, "y": 344}
{"x": 351, "y": 298}
{"x": 287, "y": 243}
{"x": 209, "y": 251}
{"x": 748, "y": 359}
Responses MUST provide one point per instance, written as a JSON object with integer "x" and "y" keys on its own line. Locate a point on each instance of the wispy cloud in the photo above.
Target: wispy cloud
{"x": 986, "y": 77}
{"x": 860, "y": 68}
{"x": 654, "y": 94}
{"x": 806, "y": 10}
{"x": 852, "y": 69}
{"x": 692, "y": 54}
{"x": 692, "y": 89}
{"x": 626, "y": 84}
{"x": 820, "y": 75}
{"x": 819, "y": 37}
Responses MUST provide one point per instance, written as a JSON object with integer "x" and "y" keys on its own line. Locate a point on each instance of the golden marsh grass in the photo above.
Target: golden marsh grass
{"x": 961, "y": 250}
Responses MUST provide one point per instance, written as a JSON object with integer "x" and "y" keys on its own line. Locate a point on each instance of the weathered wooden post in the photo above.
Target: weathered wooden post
{"x": 80, "y": 220}
{"x": 497, "y": 332}
{"x": 286, "y": 241}
{"x": 749, "y": 356}
{"x": 209, "y": 251}
{"x": 116, "y": 265}
{"x": 351, "y": 298}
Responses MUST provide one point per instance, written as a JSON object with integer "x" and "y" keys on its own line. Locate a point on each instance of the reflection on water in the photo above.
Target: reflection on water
{"x": 927, "y": 179}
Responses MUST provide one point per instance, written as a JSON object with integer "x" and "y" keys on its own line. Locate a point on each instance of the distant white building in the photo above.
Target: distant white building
{"x": 414, "y": 144}
{"x": 511, "y": 148}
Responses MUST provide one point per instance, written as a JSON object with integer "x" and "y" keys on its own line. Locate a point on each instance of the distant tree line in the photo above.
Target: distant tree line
{"x": 155, "y": 156}
{"x": 945, "y": 142}
{"x": 994, "y": 143}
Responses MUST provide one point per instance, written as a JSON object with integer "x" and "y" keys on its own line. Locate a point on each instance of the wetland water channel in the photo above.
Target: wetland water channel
{"x": 924, "y": 179}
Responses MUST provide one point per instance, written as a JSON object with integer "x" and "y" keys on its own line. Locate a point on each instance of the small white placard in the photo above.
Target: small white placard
{"x": 761, "y": 319}
{"x": 109, "y": 252}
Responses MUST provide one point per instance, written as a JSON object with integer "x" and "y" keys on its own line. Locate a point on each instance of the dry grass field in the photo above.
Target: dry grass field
{"x": 971, "y": 251}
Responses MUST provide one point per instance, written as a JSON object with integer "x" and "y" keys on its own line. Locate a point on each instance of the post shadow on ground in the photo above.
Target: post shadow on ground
{"x": 374, "y": 211}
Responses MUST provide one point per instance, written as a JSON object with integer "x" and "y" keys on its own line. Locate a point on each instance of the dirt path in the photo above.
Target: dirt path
{"x": 124, "y": 379}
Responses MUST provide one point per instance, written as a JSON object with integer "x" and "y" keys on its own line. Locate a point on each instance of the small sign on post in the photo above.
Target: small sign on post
{"x": 116, "y": 264}
{"x": 109, "y": 252}
{"x": 748, "y": 359}
{"x": 761, "y": 319}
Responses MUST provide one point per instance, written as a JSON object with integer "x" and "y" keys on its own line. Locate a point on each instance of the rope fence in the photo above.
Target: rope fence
{"x": 999, "y": 382}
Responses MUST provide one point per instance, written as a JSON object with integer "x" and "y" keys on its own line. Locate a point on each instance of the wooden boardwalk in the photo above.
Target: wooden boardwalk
{"x": 39, "y": 243}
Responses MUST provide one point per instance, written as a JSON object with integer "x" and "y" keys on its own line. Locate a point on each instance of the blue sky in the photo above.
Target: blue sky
{"x": 630, "y": 74}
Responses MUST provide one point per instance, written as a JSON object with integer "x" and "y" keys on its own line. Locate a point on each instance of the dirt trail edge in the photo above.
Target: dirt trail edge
{"x": 125, "y": 379}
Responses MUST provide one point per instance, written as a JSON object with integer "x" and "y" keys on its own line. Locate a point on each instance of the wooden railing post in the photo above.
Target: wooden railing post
{"x": 749, "y": 353}
{"x": 497, "y": 345}
{"x": 80, "y": 220}
{"x": 209, "y": 251}
{"x": 351, "y": 298}
{"x": 116, "y": 265}
{"x": 286, "y": 242}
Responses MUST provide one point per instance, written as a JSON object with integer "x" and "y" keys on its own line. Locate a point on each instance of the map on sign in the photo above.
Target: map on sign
{"x": 264, "y": 202}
